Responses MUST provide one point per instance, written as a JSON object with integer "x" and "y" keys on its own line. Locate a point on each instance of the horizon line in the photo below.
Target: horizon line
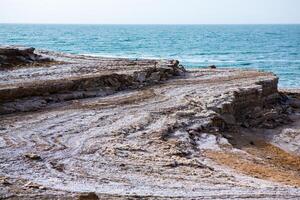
{"x": 33, "y": 23}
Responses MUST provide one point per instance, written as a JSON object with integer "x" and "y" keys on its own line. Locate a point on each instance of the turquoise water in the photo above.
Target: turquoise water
{"x": 265, "y": 47}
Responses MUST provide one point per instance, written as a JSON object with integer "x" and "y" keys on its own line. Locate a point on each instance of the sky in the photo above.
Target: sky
{"x": 150, "y": 11}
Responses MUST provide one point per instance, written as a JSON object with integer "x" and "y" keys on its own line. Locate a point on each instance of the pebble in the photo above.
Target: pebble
{"x": 33, "y": 156}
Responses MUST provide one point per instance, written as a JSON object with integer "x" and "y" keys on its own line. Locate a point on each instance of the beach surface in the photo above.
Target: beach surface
{"x": 82, "y": 127}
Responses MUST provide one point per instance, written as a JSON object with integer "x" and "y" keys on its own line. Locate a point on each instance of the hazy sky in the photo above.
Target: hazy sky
{"x": 150, "y": 11}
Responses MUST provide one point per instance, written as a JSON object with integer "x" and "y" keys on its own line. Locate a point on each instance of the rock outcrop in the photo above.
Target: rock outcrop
{"x": 116, "y": 128}
{"x": 14, "y": 56}
{"x": 84, "y": 78}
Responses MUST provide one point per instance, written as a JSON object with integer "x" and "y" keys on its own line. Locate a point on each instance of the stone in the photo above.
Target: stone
{"x": 212, "y": 67}
{"x": 33, "y": 185}
{"x": 33, "y": 156}
{"x": 175, "y": 62}
{"x": 58, "y": 166}
{"x": 88, "y": 196}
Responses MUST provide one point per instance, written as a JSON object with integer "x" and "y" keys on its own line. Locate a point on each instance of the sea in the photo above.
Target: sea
{"x": 274, "y": 48}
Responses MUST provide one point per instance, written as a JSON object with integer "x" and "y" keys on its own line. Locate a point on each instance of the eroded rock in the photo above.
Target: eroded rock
{"x": 13, "y": 56}
{"x": 32, "y": 156}
{"x": 142, "y": 128}
{"x": 295, "y": 103}
{"x": 88, "y": 196}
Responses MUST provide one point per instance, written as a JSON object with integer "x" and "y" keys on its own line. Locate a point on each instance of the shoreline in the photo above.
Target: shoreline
{"x": 81, "y": 127}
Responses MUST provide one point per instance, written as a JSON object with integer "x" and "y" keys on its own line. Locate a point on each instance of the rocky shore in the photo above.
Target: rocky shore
{"x": 80, "y": 127}
{"x": 14, "y": 56}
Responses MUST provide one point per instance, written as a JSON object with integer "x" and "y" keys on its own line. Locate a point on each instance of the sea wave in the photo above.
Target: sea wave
{"x": 122, "y": 56}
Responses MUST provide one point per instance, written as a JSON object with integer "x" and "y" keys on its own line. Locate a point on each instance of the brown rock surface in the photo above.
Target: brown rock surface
{"x": 16, "y": 56}
{"x": 119, "y": 128}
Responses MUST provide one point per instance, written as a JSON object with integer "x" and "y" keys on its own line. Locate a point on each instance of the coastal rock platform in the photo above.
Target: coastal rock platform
{"x": 16, "y": 56}
{"x": 84, "y": 127}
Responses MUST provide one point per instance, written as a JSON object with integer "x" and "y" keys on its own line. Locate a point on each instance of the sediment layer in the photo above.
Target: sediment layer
{"x": 118, "y": 128}
{"x": 16, "y": 56}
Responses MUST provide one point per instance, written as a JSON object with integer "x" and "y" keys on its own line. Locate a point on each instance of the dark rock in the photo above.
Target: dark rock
{"x": 88, "y": 196}
{"x": 245, "y": 125}
{"x": 12, "y": 56}
{"x": 22, "y": 59}
{"x": 229, "y": 119}
{"x": 295, "y": 103}
{"x": 122, "y": 165}
{"x": 32, "y": 57}
{"x": 58, "y": 166}
{"x": 212, "y": 67}
{"x": 175, "y": 63}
